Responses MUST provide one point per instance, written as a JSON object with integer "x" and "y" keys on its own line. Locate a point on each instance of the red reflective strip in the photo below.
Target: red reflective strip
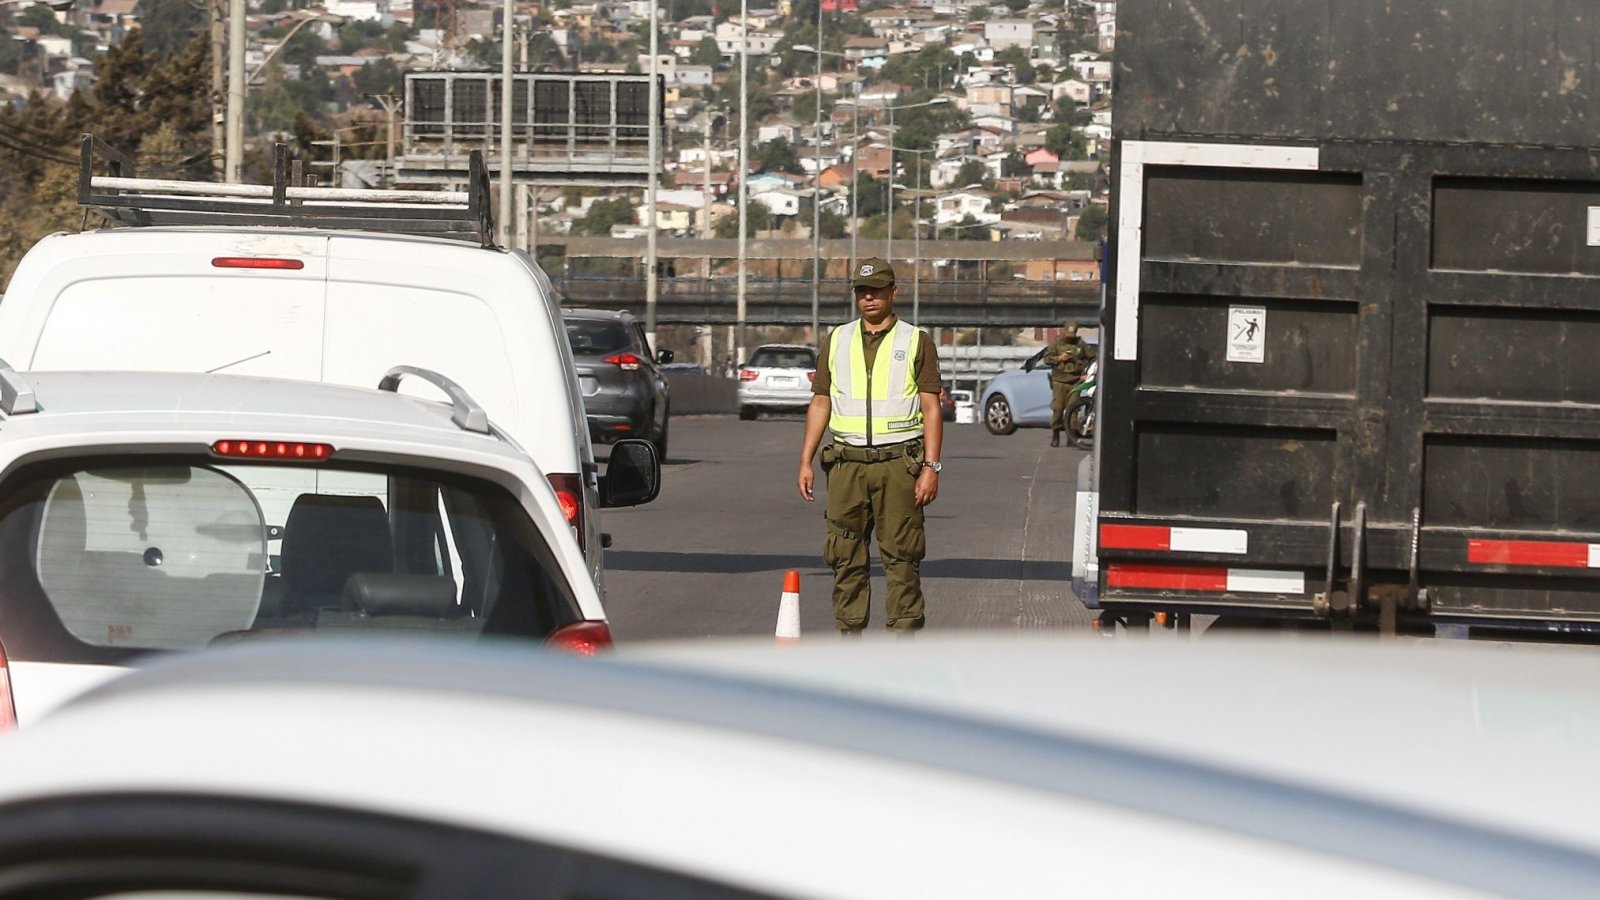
{"x": 1166, "y": 578}
{"x": 1136, "y": 537}
{"x": 1528, "y": 553}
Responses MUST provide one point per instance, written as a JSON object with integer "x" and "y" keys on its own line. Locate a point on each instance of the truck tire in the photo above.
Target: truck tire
{"x": 997, "y": 415}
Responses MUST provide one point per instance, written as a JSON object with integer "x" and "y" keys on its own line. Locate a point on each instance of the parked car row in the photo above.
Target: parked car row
{"x": 219, "y": 431}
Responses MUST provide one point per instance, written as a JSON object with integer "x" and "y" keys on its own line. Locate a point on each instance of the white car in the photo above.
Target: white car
{"x": 963, "y": 767}
{"x": 776, "y": 379}
{"x": 327, "y": 285}
{"x": 147, "y": 512}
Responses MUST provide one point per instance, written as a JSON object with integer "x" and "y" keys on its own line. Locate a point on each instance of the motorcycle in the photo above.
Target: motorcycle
{"x": 1080, "y": 425}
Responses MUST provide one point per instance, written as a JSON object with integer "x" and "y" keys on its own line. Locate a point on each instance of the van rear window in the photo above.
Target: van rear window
{"x": 111, "y": 557}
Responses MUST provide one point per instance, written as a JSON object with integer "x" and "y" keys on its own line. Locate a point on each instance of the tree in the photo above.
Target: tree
{"x": 1065, "y": 142}
{"x": 778, "y": 156}
{"x": 758, "y": 218}
{"x": 603, "y": 214}
{"x": 869, "y": 196}
{"x": 10, "y": 57}
{"x": 1015, "y": 165}
{"x": 1091, "y": 223}
{"x": 706, "y": 53}
{"x": 972, "y": 171}
{"x": 831, "y": 225}
{"x": 381, "y": 77}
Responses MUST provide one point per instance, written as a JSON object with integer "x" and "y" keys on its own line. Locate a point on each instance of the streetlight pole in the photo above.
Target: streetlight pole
{"x": 816, "y": 199}
{"x": 650, "y": 284}
{"x": 510, "y": 10}
{"x": 889, "y": 251}
{"x": 744, "y": 170}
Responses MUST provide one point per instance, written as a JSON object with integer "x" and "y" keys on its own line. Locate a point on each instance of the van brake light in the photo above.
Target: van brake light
{"x": 259, "y": 449}
{"x": 584, "y": 638}
{"x": 256, "y": 262}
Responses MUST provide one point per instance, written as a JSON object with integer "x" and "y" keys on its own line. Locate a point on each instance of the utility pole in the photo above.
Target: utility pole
{"x": 233, "y": 165}
{"x": 705, "y": 194}
{"x": 744, "y": 169}
{"x": 390, "y": 104}
{"x": 506, "y": 95}
{"x": 219, "y": 87}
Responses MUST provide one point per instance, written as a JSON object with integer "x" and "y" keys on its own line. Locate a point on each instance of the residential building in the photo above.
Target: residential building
{"x": 1007, "y": 33}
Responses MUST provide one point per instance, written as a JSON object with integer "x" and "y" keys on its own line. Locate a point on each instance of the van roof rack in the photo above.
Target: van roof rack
{"x": 119, "y": 195}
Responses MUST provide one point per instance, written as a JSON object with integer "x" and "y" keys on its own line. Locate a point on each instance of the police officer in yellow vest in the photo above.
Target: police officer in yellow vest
{"x": 877, "y": 389}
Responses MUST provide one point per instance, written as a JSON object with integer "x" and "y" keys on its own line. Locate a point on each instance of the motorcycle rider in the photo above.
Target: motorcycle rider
{"x": 1069, "y": 358}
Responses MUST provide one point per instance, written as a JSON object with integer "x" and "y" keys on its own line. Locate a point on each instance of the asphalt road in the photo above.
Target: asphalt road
{"x": 708, "y": 557}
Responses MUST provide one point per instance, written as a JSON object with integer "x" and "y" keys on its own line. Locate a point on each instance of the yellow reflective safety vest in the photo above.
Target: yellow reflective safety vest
{"x": 880, "y": 405}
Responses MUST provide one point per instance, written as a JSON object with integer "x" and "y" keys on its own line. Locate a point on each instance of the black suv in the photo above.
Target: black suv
{"x": 624, "y": 392}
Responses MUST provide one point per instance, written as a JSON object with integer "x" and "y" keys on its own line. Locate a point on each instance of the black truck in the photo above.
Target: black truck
{"x": 1350, "y": 365}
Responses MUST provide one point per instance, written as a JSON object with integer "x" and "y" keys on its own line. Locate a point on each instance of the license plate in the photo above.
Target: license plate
{"x": 783, "y": 380}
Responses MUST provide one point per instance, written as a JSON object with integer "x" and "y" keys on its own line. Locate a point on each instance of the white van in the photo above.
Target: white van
{"x": 310, "y": 300}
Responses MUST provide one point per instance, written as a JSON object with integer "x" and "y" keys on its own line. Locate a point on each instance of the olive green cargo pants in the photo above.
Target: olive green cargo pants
{"x": 1063, "y": 400}
{"x": 864, "y": 497}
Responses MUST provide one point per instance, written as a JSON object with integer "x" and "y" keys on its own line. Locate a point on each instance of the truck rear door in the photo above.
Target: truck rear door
{"x": 1351, "y": 314}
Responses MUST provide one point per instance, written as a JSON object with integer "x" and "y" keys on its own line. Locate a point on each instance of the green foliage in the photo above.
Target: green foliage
{"x": 831, "y": 225}
{"x": 280, "y": 101}
{"x": 1091, "y": 223}
{"x": 10, "y": 56}
{"x": 757, "y": 216}
{"x": 972, "y": 171}
{"x": 359, "y": 34}
{"x": 381, "y": 77}
{"x": 1065, "y": 142}
{"x": 706, "y": 53}
{"x": 603, "y": 214}
{"x": 39, "y": 17}
{"x": 778, "y": 156}
{"x": 869, "y": 196}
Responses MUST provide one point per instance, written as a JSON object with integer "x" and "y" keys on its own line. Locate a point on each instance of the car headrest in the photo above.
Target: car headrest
{"x": 387, "y": 594}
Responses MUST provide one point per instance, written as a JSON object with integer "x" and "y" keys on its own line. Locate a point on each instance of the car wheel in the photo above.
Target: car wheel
{"x": 1079, "y": 427}
{"x": 997, "y": 415}
{"x": 747, "y": 413}
{"x": 660, "y": 441}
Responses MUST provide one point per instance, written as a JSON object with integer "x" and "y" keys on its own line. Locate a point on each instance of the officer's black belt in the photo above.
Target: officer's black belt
{"x": 872, "y": 454}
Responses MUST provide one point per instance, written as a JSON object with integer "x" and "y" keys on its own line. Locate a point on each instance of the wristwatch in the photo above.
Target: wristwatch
{"x": 935, "y": 466}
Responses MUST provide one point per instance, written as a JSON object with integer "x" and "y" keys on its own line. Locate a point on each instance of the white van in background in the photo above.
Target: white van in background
{"x": 278, "y": 285}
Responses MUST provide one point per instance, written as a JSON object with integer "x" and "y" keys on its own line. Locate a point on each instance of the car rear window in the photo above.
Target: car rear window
{"x": 597, "y": 337}
{"x": 105, "y": 558}
{"x": 783, "y": 358}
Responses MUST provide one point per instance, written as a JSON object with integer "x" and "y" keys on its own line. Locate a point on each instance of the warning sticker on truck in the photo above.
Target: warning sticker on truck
{"x": 1247, "y": 334}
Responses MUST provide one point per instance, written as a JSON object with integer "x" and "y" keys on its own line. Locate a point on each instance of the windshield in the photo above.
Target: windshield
{"x": 108, "y": 557}
{"x": 596, "y": 336}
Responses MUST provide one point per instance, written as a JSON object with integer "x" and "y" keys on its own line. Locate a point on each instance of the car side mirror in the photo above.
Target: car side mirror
{"x": 664, "y": 356}
{"x": 633, "y": 474}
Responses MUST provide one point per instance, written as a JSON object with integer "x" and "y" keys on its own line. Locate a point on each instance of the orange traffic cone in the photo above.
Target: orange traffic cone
{"x": 789, "y": 610}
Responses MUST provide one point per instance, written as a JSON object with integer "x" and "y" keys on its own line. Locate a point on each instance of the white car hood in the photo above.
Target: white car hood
{"x": 39, "y": 687}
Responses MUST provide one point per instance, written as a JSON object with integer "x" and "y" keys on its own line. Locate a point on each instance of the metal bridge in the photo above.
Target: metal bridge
{"x": 968, "y": 297}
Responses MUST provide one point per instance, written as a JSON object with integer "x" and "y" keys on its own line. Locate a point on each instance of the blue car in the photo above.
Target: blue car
{"x": 1019, "y": 398}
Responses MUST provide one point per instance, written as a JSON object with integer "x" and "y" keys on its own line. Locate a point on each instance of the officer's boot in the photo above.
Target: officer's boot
{"x": 1055, "y": 437}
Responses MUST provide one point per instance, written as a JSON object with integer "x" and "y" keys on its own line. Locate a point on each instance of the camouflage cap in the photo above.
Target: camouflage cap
{"x": 1070, "y": 329}
{"x": 874, "y": 273}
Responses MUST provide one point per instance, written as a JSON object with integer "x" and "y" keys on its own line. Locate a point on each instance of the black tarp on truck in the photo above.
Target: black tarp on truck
{"x": 1352, "y": 326}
